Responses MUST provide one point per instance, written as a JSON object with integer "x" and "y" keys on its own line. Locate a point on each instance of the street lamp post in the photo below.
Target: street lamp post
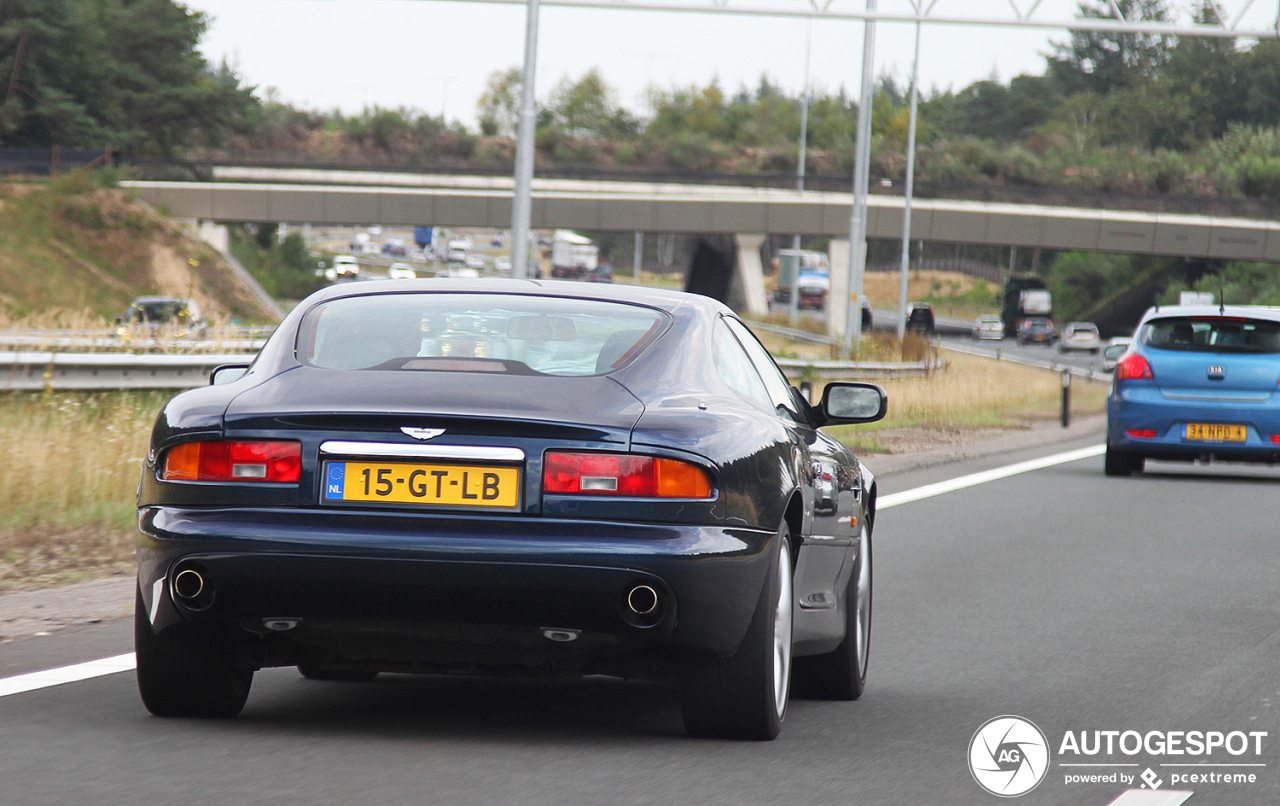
{"x": 793, "y": 307}
{"x": 522, "y": 200}
{"x": 910, "y": 190}
{"x": 861, "y": 178}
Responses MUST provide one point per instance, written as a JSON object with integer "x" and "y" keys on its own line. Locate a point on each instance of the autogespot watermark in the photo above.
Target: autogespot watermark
{"x": 1009, "y": 756}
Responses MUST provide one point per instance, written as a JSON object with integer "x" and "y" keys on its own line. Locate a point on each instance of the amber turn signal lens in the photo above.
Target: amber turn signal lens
{"x": 623, "y": 474}
{"x": 233, "y": 461}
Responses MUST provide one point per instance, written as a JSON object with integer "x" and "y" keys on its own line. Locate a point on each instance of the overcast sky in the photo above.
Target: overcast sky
{"x": 434, "y": 55}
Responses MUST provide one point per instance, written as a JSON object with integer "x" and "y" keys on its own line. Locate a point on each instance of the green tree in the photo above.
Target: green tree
{"x": 125, "y": 73}
{"x": 499, "y": 105}
{"x": 1098, "y": 61}
{"x": 584, "y": 108}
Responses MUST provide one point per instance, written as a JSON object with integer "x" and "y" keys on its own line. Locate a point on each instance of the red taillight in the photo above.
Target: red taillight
{"x": 1133, "y": 367}
{"x": 1275, "y": 439}
{"x": 623, "y": 474}
{"x": 233, "y": 461}
{"x": 1141, "y": 433}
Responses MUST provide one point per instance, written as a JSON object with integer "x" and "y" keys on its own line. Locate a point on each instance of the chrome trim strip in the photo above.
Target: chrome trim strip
{"x": 1216, "y": 398}
{"x": 481, "y": 453}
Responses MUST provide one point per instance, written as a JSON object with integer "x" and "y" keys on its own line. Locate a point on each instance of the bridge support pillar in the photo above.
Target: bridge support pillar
{"x": 750, "y": 275}
{"x": 215, "y": 235}
{"x": 838, "y": 295}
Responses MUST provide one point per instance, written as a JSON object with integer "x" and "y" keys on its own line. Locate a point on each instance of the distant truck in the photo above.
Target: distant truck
{"x": 573, "y": 256}
{"x": 1024, "y": 297}
{"x": 422, "y": 237}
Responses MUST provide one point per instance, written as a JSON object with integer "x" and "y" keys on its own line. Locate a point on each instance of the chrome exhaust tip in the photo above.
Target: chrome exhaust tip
{"x": 188, "y": 584}
{"x": 642, "y": 600}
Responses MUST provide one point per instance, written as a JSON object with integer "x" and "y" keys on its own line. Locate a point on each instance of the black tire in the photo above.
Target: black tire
{"x": 745, "y": 696}
{"x": 318, "y": 671}
{"x": 1122, "y": 463}
{"x": 842, "y": 673}
{"x": 186, "y": 670}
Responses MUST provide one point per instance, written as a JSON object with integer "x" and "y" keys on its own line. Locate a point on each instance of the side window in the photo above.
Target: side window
{"x": 775, "y": 382}
{"x": 736, "y": 370}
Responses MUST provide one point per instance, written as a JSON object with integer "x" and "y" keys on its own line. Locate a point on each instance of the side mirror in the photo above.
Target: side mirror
{"x": 227, "y": 373}
{"x": 850, "y": 403}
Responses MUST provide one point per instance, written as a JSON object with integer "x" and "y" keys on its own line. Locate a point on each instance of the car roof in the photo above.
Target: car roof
{"x": 661, "y": 298}
{"x": 1254, "y": 311}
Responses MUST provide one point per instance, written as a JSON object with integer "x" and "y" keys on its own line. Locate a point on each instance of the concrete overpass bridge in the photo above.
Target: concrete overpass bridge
{"x": 300, "y": 196}
{"x": 731, "y": 221}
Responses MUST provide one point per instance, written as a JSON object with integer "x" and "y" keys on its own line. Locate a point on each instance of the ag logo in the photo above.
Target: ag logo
{"x": 1008, "y": 756}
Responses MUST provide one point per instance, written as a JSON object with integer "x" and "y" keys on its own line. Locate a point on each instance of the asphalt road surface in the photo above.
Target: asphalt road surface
{"x": 1079, "y": 602}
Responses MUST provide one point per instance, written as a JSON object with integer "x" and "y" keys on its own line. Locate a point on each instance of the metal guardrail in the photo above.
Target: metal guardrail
{"x": 232, "y": 340}
{"x": 798, "y": 369}
{"x": 1054, "y": 366}
{"x": 107, "y": 371}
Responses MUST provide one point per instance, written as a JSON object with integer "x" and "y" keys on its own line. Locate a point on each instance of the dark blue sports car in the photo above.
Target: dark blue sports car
{"x": 488, "y": 476}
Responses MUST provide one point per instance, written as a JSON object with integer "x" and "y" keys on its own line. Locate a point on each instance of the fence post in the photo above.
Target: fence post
{"x": 1066, "y": 397}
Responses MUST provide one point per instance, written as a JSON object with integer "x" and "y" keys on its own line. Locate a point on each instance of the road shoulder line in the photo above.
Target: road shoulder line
{"x": 974, "y": 479}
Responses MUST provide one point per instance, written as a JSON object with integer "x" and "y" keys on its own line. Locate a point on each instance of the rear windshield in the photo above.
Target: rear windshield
{"x": 1212, "y": 334}
{"x": 515, "y": 334}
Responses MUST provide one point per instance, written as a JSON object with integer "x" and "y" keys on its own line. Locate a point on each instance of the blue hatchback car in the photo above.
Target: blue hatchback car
{"x": 1198, "y": 383}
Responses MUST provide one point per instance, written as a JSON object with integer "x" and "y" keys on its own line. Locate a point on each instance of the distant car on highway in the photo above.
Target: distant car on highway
{"x": 147, "y": 315}
{"x": 1111, "y": 353}
{"x": 502, "y": 264}
{"x": 988, "y": 327}
{"x": 1080, "y": 336}
{"x": 920, "y": 318}
{"x": 462, "y": 271}
{"x": 475, "y": 261}
{"x": 346, "y": 267}
{"x": 811, "y": 290}
{"x": 1036, "y": 330}
{"x": 401, "y": 271}
{"x": 602, "y": 273}
{"x": 1199, "y": 382}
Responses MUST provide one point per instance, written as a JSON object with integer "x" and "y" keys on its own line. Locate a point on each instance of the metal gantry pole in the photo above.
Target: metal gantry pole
{"x": 522, "y": 200}
{"x": 910, "y": 190}
{"x": 861, "y": 179}
{"x": 794, "y": 306}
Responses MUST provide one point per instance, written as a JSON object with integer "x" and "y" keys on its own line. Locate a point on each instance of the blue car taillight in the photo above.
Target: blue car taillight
{"x": 1133, "y": 367}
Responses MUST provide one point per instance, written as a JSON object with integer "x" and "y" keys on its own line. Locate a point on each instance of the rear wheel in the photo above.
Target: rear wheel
{"x": 745, "y": 695}
{"x": 186, "y": 670}
{"x": 842, "y": 673}
{"x": 1122, "y": 463}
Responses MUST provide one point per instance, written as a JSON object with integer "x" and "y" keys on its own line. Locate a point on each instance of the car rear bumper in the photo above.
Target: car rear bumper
{"x": 465, "y": 574}
{"x": 1146, "y": 409}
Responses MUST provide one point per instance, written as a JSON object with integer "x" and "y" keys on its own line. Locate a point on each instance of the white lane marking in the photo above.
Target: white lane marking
{"x": 67, "y": 674}
{"x": 973, "y": 479}
{"x": 124, "y": 663}
{"x": 1152, "y": 797}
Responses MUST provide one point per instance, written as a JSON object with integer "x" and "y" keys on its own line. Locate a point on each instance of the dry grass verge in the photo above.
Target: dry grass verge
{"x": 972, "y": 393}
{"x": 68, "y": 472}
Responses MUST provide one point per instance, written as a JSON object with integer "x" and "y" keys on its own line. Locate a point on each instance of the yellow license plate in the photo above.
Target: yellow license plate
{"x": 433, "y": 485}
{"x": 1213, "y": 432}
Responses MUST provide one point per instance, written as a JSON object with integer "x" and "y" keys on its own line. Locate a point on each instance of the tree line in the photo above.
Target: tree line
{"x": 1114, "y": 112}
